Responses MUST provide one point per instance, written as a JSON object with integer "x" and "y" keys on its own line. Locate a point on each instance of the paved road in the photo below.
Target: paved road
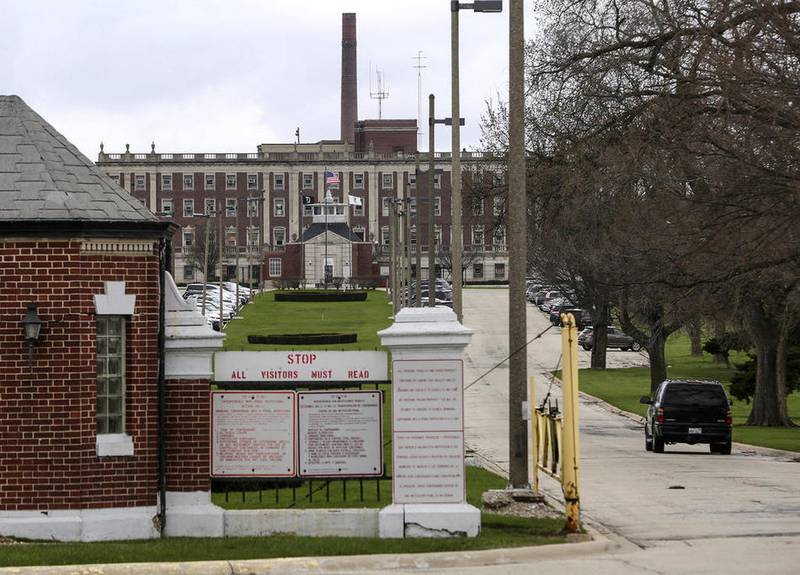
{"x": 685, "y": 509}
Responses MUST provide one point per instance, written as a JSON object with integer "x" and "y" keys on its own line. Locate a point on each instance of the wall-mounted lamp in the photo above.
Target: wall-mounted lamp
{"x": 31, "y": 325}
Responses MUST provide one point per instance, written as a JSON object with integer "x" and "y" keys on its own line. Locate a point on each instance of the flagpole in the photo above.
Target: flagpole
{"x": 325, "y": 207}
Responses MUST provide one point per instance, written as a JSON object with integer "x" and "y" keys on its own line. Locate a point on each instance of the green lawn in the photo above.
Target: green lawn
{"x": 265, "y": 316}
{"x": 623, "y": 388}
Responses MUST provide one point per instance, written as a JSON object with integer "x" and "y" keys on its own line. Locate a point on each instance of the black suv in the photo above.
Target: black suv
{"x": 688, "y": 411}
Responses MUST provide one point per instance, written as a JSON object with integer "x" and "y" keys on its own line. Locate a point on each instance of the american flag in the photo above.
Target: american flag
{"x": 331, "y": 178}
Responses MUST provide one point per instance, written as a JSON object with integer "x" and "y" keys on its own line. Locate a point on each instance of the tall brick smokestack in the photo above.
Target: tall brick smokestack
{"x": 349, "y": 114}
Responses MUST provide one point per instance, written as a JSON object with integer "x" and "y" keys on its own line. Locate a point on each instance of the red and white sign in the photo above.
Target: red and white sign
{"x": 301, "y": 366}
{"x": 341, "y": 433}
{"x": 253, "y": 434}
{"x": 428, "y": 432}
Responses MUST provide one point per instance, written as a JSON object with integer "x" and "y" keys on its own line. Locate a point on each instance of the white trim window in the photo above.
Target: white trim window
{"x": 387, "y": 180}
{"x": 188, "y": 181}
{"x": 110, "y": 342}
{"x": 230, "y": 207}
{"x": 166, "y": 207}
{"x": 252, "y": 207}
{"x": 188, "y": 237}
{"x": 188, "y": 208}
{"x": 278, "y": 181}
{"x": 166, "y": 182}
{"x": 499, "y": 270}
{"x": 210, "y": 206}
{"x": 358, "y": 180}
{"x": 253, "y": 236}
{"x": 412, "y": 237}
{"x": 437, "y": 205}
{"x": 387, "y": 205}
{"x": 499, "y": 237}
{"x": 275, "y": 267}
{"x": 412, "y": 180}
{"x": 252, "y": 181}
{"x": 413, "y": 206}
{"x": 308, "y": 210}
{"x": 437, "y": 181}
{"x": 477, "y": 271}
{"x": 210, "y": 182}
{"x": 437, "y": 234}
{"x": 230, "y": 181}
{"x": 497, "y": 205}
{"x": 386, "y": 237}
{"x": 231, "y": 236}
{"x": 358, "y": 210}
{"x": 279, "y": 207}
{"x": 308, "y": 181}
{"x": 477, "y": 206}
{"x": 477, "y": 235}
{"x": 188, "y": 271}
{"x": 279, "y": 236}
{"x": 360, "y": 233}
{"x": 139, "y": 182}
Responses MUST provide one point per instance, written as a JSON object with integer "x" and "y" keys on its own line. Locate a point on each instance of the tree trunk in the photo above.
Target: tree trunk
{"x": 719, "y": 331}
{"x": 658, "y": 359}
{"x": 769, "y": 399}
{"x": 694, "y": 329}
{"x": 600, "y": 335}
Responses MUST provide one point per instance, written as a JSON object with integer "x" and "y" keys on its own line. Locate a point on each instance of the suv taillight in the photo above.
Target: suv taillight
{"x": 728, "y": 417}
{"x": 660, "y": 415}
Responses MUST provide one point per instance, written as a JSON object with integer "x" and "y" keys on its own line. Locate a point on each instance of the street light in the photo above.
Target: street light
{"x": 455, "y": 154}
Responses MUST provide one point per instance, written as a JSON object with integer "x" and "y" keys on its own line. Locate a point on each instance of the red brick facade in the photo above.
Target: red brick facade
{"x": 48, "y": 454}
{"x": 188, "y": 435}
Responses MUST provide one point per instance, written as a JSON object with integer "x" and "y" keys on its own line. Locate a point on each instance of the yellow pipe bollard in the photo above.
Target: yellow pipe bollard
{"x": 535, "y": 434}
{"x": 570, "y": 447}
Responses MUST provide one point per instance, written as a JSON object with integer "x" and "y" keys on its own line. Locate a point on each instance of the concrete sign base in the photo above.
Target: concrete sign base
{"x": 429, "y": 520}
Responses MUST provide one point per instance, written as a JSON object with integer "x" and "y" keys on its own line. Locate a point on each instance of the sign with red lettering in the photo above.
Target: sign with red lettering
{"x": 300, "y": 366}
{"x": 340, "y": 433}
{"x": 253, "y": 433}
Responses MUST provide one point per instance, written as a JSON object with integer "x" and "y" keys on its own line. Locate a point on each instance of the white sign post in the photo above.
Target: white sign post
{"x": 429, "y": 498}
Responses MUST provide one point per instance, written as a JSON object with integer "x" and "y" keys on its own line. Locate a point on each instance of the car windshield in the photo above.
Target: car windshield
{"x": 694, "y": 394}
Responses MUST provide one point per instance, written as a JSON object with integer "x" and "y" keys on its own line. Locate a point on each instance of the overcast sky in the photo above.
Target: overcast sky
{"x": 225, "y": 76}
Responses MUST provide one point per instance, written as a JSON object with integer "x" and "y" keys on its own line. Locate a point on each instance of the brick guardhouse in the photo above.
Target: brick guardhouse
{"x": 104, "y": 370}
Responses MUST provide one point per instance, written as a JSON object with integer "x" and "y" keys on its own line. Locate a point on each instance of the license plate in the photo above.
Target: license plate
{"x": 693, "y": 430}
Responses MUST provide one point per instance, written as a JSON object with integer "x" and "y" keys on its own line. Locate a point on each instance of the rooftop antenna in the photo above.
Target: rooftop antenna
{"x": 419, "y": 66}
{"x": 381, "y": 93}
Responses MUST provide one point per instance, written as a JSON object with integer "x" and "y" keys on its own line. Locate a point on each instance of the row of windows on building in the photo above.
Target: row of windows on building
{"x": 279, "y": 236}
{"x": 275, "y": 266}
{"x": 279, "y": 207}
{"x": 278, "y": 181}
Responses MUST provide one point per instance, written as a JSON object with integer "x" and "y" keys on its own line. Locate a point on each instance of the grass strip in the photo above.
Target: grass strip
{"x": 265, "y": 316}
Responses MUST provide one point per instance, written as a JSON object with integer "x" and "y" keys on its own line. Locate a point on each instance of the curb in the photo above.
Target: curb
{"x": 347, "y": 564}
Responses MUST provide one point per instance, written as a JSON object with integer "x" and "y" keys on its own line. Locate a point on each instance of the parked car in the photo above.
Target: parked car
{"x": 550, "y": 299}
{"x": 557, "y": 308}
{"x": 615, "y": 339}
{"x": 544, "y": 294}
{"x": 583, "y": 317}
{"x": 688, "y": 411}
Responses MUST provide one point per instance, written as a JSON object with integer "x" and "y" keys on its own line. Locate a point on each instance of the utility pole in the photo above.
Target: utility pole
{"x": 456, "y": 246}
{"x": 517, "y": 252}
{"x": 393, "y": 253}
{"x": 418, "y": 247}
{"x": 407, "y": 244}
{"x": 205, "y": 264}
{"x": 220, "y": 240}
{"x": 431, "y": 242}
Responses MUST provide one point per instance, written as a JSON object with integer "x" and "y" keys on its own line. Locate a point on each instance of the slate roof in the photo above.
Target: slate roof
{"x": 44, "y": 178}
{"x": 338, "y": 228}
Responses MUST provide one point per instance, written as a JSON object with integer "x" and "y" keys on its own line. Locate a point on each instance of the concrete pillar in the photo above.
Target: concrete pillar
{"x": 189, "y": 346}
{"x": 429, "y": 492}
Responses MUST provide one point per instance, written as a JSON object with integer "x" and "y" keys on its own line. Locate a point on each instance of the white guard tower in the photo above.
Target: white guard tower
{"x": 327, "y": 244}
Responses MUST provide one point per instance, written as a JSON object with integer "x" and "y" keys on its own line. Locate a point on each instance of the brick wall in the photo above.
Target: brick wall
{"x": 188, "y": 428}
{"x": 47, "y": 416}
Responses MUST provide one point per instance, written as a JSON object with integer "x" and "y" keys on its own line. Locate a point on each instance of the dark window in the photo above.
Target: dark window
{"x": 694, "y": 394}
